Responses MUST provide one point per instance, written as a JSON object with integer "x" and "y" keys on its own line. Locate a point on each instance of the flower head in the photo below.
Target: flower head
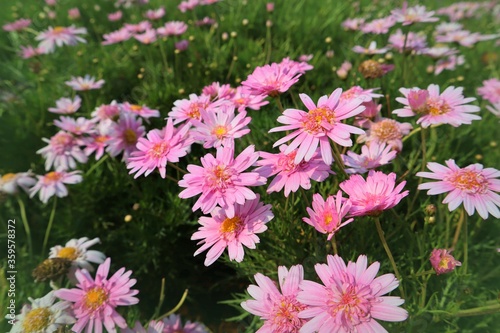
{"x": 271, "y": 80}
{"x": 62, "y": 151}
{"x": 78, "y": 126}
{"x": 67, "y": 105}
{"x": 443, "y": 262}
{"x": 140, "y": 110}
{"x": 173, "y": 324}
{"x": 350, "y": 298}
{"x": 117, "y": 36}
{"x": 124, "y": 135}
{"x": 474, "y": 186}
{"x": 278, "y": 308}
{"x": 60, "y": 36}
{"x": 172, "y": 28}
{"x": 409, "y": 15}
{"x": 490, "y": 90}
{"x": 53, "y": 182}
{"x": 371, "y": 157}
{"x": 18, "y": 25}
{"x": 232, "y": 229}
{"x": 95, "y": 300}
{"x": 386, "y": 131}
{"x": 84, "y": 83}
{"x": 11, "y": 182}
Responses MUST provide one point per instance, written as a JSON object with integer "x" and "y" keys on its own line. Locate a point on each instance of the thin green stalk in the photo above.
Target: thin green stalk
{"x": 95, "y": 166}
{"x": 459, "y": 229}
{"x": 481, "y": 310}
{"x": 338, "y": 160}
{"x": 27, "y": 229}
{"x": 280, "y": 106}
{"x": 334, "y": 245}
{"x": 177, "y": 168}
{"x": 389, "y": 254}
{"x": 466, "y": 246}
{"x": 49, "y": 226}
{"x": 177, "y": 307}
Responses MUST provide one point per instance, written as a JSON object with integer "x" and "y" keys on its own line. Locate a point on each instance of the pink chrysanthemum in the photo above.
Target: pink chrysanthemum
{"x": 139, "y": 27}
{"x": 220, "y": 127}
{"x": 386, "y": 131}
{"x": 221, "y": 180}
{"x": 155, "y": 14}
{"x": 147, "y": 37}
{"x": 243, "y": 99}
{"x": 11, "y": 182}
{"x": 278, "y": 309}
{"x": 17, "y": 25}
{"x": 63, "y": 151}
{"x": 316, "y": 127}
{"x": 474, "y": 186}
{"x": 353, "y": 24}
{"x": 173, "y": 324}
{"x": 52, "y": 184}
{"x": 173, "y": 28}
{"x": 371, "y": 157}
{"x": 449, "y": 63}
{"x": 373, "y": 195}
{"x": 289, "y": 174}
{"x": 30, "y": 52}
{"x": 95, "y": 301}
{"x": 117, "y": 36}
{"x": 409, "y": 15}
{"x": 84, "y": 83}
{"x": 434, "y": 108}
{"x": 187, "y": 109}
{"x": 60, "y": 36}
{"x": 115, "y": 16}
{"x": 232, "y": 229}
{"x": 407, "y": 42}
{"x": 159, "y": 148}
{"x": 271, "y": 80}
{"x": 350, "y": 298}
{"x": 490, "y": 90}
{"x": 124, "y": 135}
{"x": 443, "y": 262}
{"x": 106, "y": 111}
{"x": 140, "y": 110}
{"x": 326, "y": 216}
{"x": 216, "y": 91}
{"x": 67, "y": 105}
{"x": 78, "y": 126}
{"x": 379, "y": 26}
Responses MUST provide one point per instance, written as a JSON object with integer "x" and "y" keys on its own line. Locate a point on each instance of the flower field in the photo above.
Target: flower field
{"x": 249, "y": 166}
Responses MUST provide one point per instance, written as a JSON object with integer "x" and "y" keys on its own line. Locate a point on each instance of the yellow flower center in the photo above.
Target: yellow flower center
{"x": 94, "y": 298}
{"x": 101, "y": 139}
{"x": 469, "y": 181}
{"x": 444, "y": 262}
{"x": 135, "y": 107}
{"x": 316, "y": 117}
{"x": 194, "y": 111}
{"x": 53, "y": 176}
{"x": 158, "y": 150}
{"x": 70, "y": 253}
{"x": 58, "y": 29}
{"x": 231, "y": 225}
{"x": 130, "y": 136}
{"x": 386, "y": 130}
{"x": 8, "y": 177}
{"x": 220, "y": 131}
{"x": 37, "y": 320}
{"x": 328, "y": 218}
{"x": 437, "y": 107}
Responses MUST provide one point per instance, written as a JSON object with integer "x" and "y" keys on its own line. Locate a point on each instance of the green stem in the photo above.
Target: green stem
{"x": 482, "y": 310}
{"x": 338, "y": 160}
{"x": 280, "y": 106}
{"x": 459, "y": 229}
{"x": 92, "y": 168}
{"x": 416, "y": 130}
{"x": 27, "y": 229}
{"x": 466, "y": 245}
{"x": 49, "y": 226}
{"x": 177, "y": 168}
{"x": 177, "y": 307}
{"x": 334, "y": 245}
{"x": 389, "y": 254}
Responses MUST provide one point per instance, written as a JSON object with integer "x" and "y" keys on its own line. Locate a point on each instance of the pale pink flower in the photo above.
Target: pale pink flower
{"x": 495, "y": 109}
{"x": 115, "y": 16}
{"x": 116, "y": 37}
{"x": 271, "y": 80}
{"x": 187, "y": 109}
{"x": 474, "y": 186}
{"x": 11, "y": 182}
{"x": 148, "y": 37}
{"x": 379, "y": 26}
{"x": 349, "y": 298}
{"x": 205, "y": 21}
{"x": 326, "y": 216}
{"x": 305, "y": 57}
{"x": 84, "y": 83}
{"x": 438, "y": 52}
{"x": 445, "y": 27}
{"x": 78, "y": 126}
{"x": 139, "y": 27}
{"x": 51, "y": 2}
{"x": 52, "y": 183}
{"x": 367, "y": 95}
{"x": 490, "y": 90}
{"x": 449, "y": 63}
{"x": 218, "y": 91}
{"x": 462, "y": 37}
{"x": 155, "y": 14}
{"x": 409, "y": 15}
{"x": 373, "y": 195}
{"x": 124, "y": 135}
{"x": 316, "y": 127}
{"x": 106, "y": 111}
{"x": 63, "y": 151}
{"x": 152, "y": 327}
{"x": 344, "y": 70}
{"x": 232, "y": 229}
{"x": 60, "y": 36}
{"x": 220, "y": 127}
{"x": 184, "y": 6}
{"x": 386, "y": 131}
{"x": 159, "y": 148}
{"x": 73, "y": 13}
{"x": 140, "y": 110}
{"x": 96, "y": 143}
{"x": 289, "y": 174}
{"x": 67, "y": 105}
{"x": 173, "y": 28}
{"x": 17, "y": 25}
{"x": 443, "y": 262}
{"x": 292, "y": 66}
{"x": 30, "y": 52}
{"x": 407, "y": 43}
{"x": 173, "y": 324}
{"x": 270, "y": 7}
{"x": 449, "y": 107}
{"x": 371, "y": 157}
{"x": 278, "y": 308}
{"x": 353, "y": 24}
{"x": 372, "y": 49}
{"x": 221, "y": 180}
{"x": 243, "y": 99}
{"x": 95, "y": 300}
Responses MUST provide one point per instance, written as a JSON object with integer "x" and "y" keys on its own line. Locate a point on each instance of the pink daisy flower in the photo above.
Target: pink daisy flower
{"x": 316, "y": 127}
{"x": 52, "y": 184}
{"x": 106, "y": 111}
{"x": 217, "y": 91}
{"x": 95, "y": 300}
{"x": 140, "y": 110}
{"x": 373, "y": 195}
{"x": 414, "y": 42}
{"x": 17, "y": 25}
{"x": 443, "y": 262}
{"x": 449, "y": 63}
{"x": 474, "y": 186}
{"x": 172, "y": 28}
{"x": 60, "y": 36}
{"x": 289, "y": 174}
{"x": 445, "y": 27}
{"x": 371, "y": 157}
{"x": 67, "y": 105}
{"x": 490, "y": 90}
{"x": 461, "y": 37}
{"x": 152, "y": 327}
{"x": 115, "y": 16}
{"x": 326, "y": 217}
{"x": 63, "y": 151}
{"x": 139, "y": 27}
{"x": 278, "y": 309}
{"x": 409, "y": 15}
{"x": 124, "y": 135}
{"x": 350, "y": 298}
{"x": 30, "y": 52}
{"x": 439, "y": 52}
{"x": 187, "y": 109}
{"x": 271, "y": 80}
{"x": 243, "y": 99}
{"x": 221, "y": 127}
{"x": 372, "y": 49}
{"x": 84, "y": 83}
{"x": 78, "y": 126}
{"x": 184, "y": 6}
{"x": 435, "y": 109}
{"x": 117, "y": 36}
{"x": 11, "y": 182}
{"x": 155, "y": 14}
{"x": 159, "y": 148}
{"x": 148, "y": 37}
{"x": 353, "y": 24}
{"x": 386, "y": 131}
{"x": 232, "y": 229}
{"x": 495, "y": 109}
{"x": 173, "y": 324}
{"x": 97, "y": 144}
{"x": 221, "y": 180}
{"x": 379, "y": 26}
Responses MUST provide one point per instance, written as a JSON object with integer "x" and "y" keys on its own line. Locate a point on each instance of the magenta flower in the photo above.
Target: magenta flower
{"x": 124, "y": 135}
{"x": 271, "y": 80}
{"x": 379, "y": 26}
{"x": 386, "y": 131}
{"x": 373, "y": 195}
{"x": 353, "y": 24}
{"x": 173, "y": 324}
{"x": 221, "y": 180}
{"x": 17, "y": 25}
{"x": 159, "y": 148}
{"x": 78, "y": 126}
{"x": 142, "y": 111}
{"x": 148, "y": 37}
{"x": 350, "y": 298}
{"x": 30, "y": 52}
{"x": 490, "y": 90}
{"x": 216, "y": 91}
{"x": 243, "y": 99}
{"x": 52, "y": 184}
{"x": 443, "y": 262}
{"x": 67, "y": 105}
{"x": 97, "y": 144}
{"x": 117, "y": 36}
{"x": 474, "y": 186}
{"x": 232, "y": 228}
{"x": 187, "y": 109}
{"x": 60, "y": 36}
{"x": 220, "y": 127}
{"x": 316, "y": 127}
{"x": 84, "y": 83}
{"x": 95, "y": 301}
{"x": 449, "y": 107}
{"x": 409, "y": 15}
{"x": 371, "y": 157}
{"x": 106, "y": 111}
{"x": 278, "y": 309}
{"x": 139, "y": 27}
{"x": 407, "y": 43}
{"x": 115, "y": 16}
{"x": 172, "y": 28}
{"x": 188, "y": 5}
{"x": 63, "y": 151}
{"x": 155, "y": 14}
{"x": 326, "y": 216}
{"x": 289, "y": 174}
{"x": 182, "y": 45}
